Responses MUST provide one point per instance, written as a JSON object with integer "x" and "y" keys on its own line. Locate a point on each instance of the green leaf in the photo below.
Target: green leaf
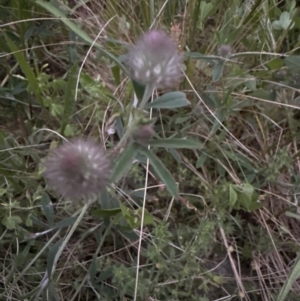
{"x": 69, "y": 131}
{"x": 276, "y": 25}
{"x": 293, "y": 276}
{"x": 185, "y": 143}
{"x": 139, "y": 89}
{"x": 217, "y": 71}
{"x": 47, "y": 208}
{"x": 83, "y": 35}
{"x": 247, "y": 197}
{"x": 293, "y": 62}
{"x": 106, "y": 212}
{"x": 200, "y": 56}
{"x": 93, "y": 269}
{"x": 161, "y": 170}
{"x": 29, "y": 74}
{"x": 205, "y": 9}
{"x": 2, "y": 191}
{"x": 221, "y": 116}
{"x": 293, "y": 215}
{"x": 250, "y": 82}
{"x": 11, "y": 221}
{"x": 134, "y": 217}
{"x": 108, "y": 201}
{"x": 201, "y": 160}
{"x": 254, "y": 205}
{"x": 104, "y": 275}
{"x": 2, "y": 139}
{"x": 171, "y": 100}
{"x": 148, "y": 218}
{"x": 123, "y": 163}
{"x": 232, "y": 196}
{"x": 247, "y": 188}
{"x": 19, "y": 259}
{"x": 51, "y": 256}
{"x": 116, "y": 74}
{"x": 56, "y": 110}
{"x": 285, "y": 20}
{"x": 67, "y": 222}
{"x": 51, "y": 293}
{"x": 242, "y": 160}
{"x": 69, "y": 103}
{"x": 275, "y": 64}
{"x": 28, "y": 221}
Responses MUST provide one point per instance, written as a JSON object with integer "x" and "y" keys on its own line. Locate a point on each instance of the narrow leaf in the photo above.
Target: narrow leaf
{"x": 29, "y": 74}
{"x": 106, "y": 212}
{"x": 47, "y": 208}
{"x": 185, "y": 143}
{"x": 93, "y": 269}
{"x": 161, "y": 170}
{"x": 217, "y": 71}
{"x": 51, "y": 256}
{"x": 67, "y": 222}
{"x": 293, "y": 276}
{"x": 292, "y": 214}
{"x": 233, "y": 197}
{"x": 69, "y": 102}
{"x": 123, "y": 163}
{"x": 200, "y": 56}
{"x": 171, "y": 100}
{"x": 117, "y": 74}
{"x": 51, "y": 294}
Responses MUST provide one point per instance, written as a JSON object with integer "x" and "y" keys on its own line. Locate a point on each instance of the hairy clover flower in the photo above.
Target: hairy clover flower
{"x": 144, "y": 133}
{"x": 77, "y": 169}
{"x": 225, "y": 51}
{"x": 155, "y": 61}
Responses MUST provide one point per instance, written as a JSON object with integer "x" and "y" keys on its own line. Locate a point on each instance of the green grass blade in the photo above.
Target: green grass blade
{"x": 78, "y": 31}
{"x": 29, "y": 74}
{"x": 69, "y": 99}
{"x": 185, "y": 143}
{"x": 294, "y": 275}
{"x": 51, "y": 256}
{"x": 33, "y": 260}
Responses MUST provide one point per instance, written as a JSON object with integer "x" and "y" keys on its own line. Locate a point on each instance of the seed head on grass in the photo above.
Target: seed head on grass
{"x": 77, "y": 169}
{"x": 155, "y": 61}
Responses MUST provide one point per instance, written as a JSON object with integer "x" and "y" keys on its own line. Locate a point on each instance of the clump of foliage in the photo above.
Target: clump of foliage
{"x": 149, "y": 150}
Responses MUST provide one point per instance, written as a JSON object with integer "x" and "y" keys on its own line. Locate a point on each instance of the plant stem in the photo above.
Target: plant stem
{"x": 146, "y": 96}
{"x": 132, "y": 122}
{"x": 66, "y": 240}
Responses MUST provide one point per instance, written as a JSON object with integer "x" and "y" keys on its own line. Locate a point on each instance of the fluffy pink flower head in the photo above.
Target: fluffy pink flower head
{"x": 225, "y": 51}
{"x": 77, "y": 169}
{"x": 154, "y": 60}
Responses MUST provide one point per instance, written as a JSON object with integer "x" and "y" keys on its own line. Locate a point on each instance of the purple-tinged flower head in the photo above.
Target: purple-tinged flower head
{"x": 155, "y": 61}
{"x": 77, "y": 169}
{"x": 225, "y": 51}
{"x": 144, "y": 133}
